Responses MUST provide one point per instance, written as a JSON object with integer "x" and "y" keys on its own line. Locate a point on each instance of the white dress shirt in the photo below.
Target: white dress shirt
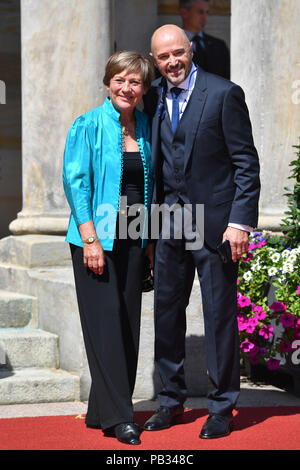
{"x": 187, "y": 88}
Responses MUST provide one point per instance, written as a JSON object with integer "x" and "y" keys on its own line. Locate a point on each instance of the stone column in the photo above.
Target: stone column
{"x": 64, "y": 51}
{"x": 265, "y": 51}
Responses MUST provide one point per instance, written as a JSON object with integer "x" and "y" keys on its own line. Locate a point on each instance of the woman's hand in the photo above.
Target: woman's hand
{"x": 93, "y": 257}
{"x": 93, "y": 254}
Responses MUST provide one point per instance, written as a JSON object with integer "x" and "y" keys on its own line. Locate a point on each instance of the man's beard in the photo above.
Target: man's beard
{"x": 180, "y": 78}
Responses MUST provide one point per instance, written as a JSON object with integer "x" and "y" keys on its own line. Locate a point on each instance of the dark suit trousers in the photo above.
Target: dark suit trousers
{"x": 174, "y": 276}
{"x": 109, "y": 307}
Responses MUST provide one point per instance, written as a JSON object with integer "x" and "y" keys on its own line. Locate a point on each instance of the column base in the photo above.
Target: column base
{"x": 39, "y": 225}
{"x": 35, "y": 251}
{"x": 269, "y": 221}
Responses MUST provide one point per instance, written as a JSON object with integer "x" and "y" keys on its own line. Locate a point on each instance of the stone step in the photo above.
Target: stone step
{"x": 17, "y": 310}
{"x": 28, "y": 347}
{"x": 35, "y": 250}
{"x": 33, "y": 385}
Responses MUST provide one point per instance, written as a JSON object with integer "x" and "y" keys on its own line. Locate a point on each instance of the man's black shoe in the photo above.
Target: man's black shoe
{"x": 216, "y": 426}
{"x": 163, "y": 417}
{"x": 128, "y": 433}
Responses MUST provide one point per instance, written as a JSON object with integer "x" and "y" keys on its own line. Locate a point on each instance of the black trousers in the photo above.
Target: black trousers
{"x": 174, "y": 276}
{"x": 110, "y": 308}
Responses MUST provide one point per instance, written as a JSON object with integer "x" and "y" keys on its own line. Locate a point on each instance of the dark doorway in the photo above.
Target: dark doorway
{"x": 10, "y": 114}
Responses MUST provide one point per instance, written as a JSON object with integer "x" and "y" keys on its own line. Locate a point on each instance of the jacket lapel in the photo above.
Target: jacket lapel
{"x": 193, "y": 113}
{"x": 160, "y": 113}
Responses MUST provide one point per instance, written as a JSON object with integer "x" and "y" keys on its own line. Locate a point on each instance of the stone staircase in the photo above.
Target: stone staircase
{"x": 41, "y": 343}
{"x": 29, "y": 356}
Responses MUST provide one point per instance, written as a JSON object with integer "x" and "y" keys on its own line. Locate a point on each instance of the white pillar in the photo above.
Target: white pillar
{"x": 265, "y": 57}
{"x": 65, "y": 46}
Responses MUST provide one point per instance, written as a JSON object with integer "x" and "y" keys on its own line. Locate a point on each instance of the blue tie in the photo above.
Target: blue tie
{"x": 175, "y": 107}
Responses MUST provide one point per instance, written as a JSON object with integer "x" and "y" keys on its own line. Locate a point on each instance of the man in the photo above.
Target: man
{"x": 203, "y": 153}
{"x": 210, "y": 53}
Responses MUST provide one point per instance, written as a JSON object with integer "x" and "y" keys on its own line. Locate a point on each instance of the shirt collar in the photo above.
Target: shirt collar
{"x": 188, "y": 82}
{"x": 191, "y": 35}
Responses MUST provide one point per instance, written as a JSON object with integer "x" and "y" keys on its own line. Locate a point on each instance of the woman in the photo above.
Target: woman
{"x": 108, "y": 155}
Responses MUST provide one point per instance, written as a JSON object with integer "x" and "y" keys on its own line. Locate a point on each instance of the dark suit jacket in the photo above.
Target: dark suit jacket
{"x": 216, "y": 56}
{"x": 220, "y": 161}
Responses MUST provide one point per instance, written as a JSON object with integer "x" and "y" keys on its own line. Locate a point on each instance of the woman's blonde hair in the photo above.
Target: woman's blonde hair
{"x": 132, "y": 62}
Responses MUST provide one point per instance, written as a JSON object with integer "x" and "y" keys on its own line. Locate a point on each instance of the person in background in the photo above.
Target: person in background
{"x": 210, "y": 53}
{"x": 108, "y": 155}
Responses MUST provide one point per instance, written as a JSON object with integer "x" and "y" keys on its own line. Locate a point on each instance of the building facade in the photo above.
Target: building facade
{"x": 52, "y": 60}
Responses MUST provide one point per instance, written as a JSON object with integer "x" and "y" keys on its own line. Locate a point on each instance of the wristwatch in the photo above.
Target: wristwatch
{"x": 90, "y": 240}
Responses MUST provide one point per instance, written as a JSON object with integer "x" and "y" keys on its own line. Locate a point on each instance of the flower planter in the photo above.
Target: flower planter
{"x": 286, "y": 377}
{"x": 269, "y": 311}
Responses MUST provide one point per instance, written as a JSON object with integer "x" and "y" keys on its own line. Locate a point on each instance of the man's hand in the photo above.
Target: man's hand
{"x": 238, "y": 240}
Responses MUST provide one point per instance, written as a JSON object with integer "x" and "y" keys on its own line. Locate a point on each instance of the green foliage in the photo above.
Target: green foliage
{"x": 291, "y": 224}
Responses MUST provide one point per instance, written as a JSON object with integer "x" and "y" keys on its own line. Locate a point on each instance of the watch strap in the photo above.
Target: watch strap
{"x": 90, "y": 239}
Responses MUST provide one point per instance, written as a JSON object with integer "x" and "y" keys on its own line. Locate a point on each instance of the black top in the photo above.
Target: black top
{"x": 133, "y": 178}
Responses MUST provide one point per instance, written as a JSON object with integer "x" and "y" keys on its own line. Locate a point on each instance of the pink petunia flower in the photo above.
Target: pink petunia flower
{"x": 296, "y": 335}
{"x": 242, "y": 323}
{"x": 252, "y": 324}
{"x": 285, "y": 346}
{"x": 278, "y": 307}
{"x": 251, "y": 246}
{"x": 266, "y": 331}
{"x": 243, "y": 301}
{"x": 298, "y": 290}
{"x": 246, "y": 346}
{"x": 254, "y": 351}
{"x": 287, "y": 320}
{"x": 247, "y": 257}
{"x": 260, "y": 244}
{"x": 259, "y": 313}
{"x": 273, "y": 364}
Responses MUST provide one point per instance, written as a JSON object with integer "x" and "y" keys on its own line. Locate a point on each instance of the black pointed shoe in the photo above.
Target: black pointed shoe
{"x": 128, "y": 433}
{"x": 216, "y": 426}
{"x": 163, "y": 417}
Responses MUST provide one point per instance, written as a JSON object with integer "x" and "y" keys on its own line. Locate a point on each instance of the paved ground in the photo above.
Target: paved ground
{"x": 252, "y": 395}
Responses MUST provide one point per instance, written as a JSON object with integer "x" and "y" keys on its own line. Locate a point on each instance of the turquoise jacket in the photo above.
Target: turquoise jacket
{"x": 92, "y": 171}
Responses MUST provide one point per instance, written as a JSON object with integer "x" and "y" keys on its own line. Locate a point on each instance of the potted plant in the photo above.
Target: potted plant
{"x": 269, "y": 289}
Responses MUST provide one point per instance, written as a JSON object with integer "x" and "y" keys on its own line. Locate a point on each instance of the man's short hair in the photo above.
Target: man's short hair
{"x": 188, "y": 3}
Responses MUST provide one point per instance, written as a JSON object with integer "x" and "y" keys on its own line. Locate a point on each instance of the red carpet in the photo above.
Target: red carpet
{"x": 263, "y": 428}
